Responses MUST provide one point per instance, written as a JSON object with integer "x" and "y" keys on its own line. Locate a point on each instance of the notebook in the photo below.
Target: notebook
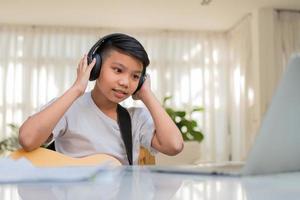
{"x": 277, "y": 146}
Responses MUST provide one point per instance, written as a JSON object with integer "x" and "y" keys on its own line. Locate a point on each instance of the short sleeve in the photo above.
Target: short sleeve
{"x": 145, "y": 127}
{"x": 59, "y": 128}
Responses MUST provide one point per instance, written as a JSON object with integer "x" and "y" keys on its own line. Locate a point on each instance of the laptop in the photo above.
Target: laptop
{"x": 277, "y": 146}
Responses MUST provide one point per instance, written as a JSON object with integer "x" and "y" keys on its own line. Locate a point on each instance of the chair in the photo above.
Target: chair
{"x": 145, "y": 157}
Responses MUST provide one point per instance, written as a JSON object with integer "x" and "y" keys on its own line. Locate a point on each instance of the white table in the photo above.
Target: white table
{"x": 142, "y": 184}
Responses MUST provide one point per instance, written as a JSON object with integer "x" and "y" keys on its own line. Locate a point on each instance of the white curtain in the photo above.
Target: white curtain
{"x": 192, "y": 67}
{"x": 36, "y": 65}
{"x": 39, "y": 63}
{"x": 244, "y": 106}
{"x": 288, "y": 34}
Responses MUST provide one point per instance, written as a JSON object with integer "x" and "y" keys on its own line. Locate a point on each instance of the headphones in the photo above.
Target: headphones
{"x": 95, "y": 53}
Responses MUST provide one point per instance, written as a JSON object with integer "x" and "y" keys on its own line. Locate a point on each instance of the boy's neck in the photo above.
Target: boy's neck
{"x": 107, "y": 107}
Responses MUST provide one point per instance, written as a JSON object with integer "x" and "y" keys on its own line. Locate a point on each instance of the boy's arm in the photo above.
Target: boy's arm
{"x": 38, "y": 128}
{"x": 167, "y": 137}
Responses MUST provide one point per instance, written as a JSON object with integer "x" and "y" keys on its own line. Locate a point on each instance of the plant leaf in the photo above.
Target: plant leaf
{"x": 185, "y": 138}
{"x": 166, "y": 99}
{"x": 198, "y": 136}
{"x": 180, "y": 113}
{"x": 197, "y": 109}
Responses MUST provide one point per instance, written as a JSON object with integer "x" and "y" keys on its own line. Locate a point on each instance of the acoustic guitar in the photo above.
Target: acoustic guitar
{"x": 42, "y": 157}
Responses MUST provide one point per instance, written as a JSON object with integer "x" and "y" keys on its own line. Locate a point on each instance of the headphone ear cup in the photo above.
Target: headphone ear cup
{"x": 97, "y": 67}
{"x": 141, "y": 81}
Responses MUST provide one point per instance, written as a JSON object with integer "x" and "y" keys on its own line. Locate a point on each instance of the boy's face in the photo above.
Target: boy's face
{"x": 119, "y": 76}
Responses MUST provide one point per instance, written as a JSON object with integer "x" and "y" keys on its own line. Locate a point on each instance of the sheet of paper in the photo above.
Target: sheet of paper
{"x": 16, "y": 171}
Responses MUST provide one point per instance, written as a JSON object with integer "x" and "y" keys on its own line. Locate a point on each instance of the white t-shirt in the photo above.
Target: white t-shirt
{"x": 85, "y": 130}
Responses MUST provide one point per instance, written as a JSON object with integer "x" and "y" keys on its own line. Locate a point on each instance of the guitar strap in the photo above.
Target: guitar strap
{"x": 124, "y": 122}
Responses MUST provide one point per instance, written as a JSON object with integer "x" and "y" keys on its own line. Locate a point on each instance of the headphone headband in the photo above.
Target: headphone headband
{"x": 99, "y": 43}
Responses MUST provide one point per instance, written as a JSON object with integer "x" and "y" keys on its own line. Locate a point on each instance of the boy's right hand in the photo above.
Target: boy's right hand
{"x": 83, "y": 74}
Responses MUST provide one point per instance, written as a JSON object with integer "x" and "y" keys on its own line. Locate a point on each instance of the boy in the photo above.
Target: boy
{"x": 83, "y": 124}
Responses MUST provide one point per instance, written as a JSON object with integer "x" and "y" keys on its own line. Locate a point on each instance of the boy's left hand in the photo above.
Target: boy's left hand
{"x": 145, "y": 89}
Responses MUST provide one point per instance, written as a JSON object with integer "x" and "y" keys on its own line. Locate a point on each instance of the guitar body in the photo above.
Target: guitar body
{"x": 42, "y": 157}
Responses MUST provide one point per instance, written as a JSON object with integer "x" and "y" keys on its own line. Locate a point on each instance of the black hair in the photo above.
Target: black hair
{"x": 125, "y": 44}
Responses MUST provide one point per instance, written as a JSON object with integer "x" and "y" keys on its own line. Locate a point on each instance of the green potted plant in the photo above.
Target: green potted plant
{"x": 10, "y": 143}
{"x": 188, "y": 127}
{"x": 191, "y": 133}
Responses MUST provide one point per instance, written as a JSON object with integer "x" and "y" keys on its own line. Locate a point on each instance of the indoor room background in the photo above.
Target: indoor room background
{"x": 230, "y": 68}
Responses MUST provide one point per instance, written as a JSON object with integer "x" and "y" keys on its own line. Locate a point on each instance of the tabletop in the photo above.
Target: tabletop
{"x": 142, "y": 183}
